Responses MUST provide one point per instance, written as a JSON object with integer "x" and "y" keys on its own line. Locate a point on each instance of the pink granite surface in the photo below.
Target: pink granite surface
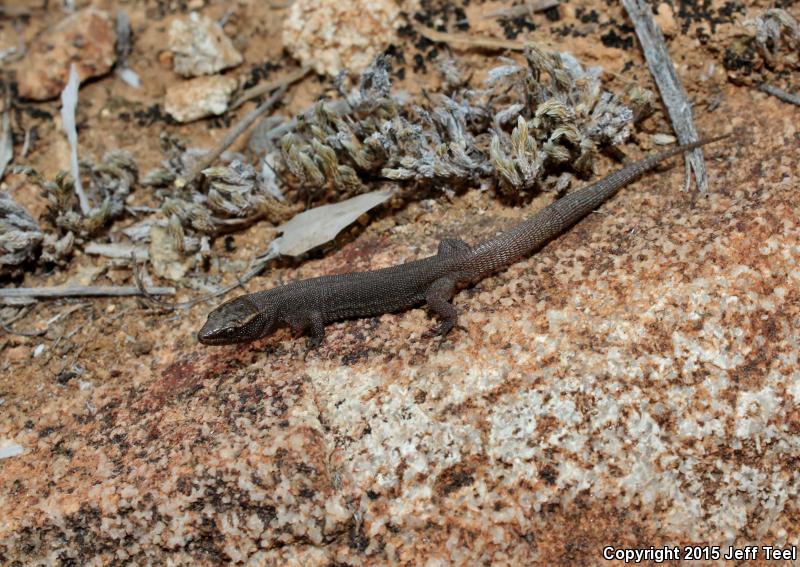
{"x": 635, "y": 384}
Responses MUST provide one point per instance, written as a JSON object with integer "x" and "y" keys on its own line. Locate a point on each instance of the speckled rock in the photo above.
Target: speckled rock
{"x": 86, "y": 38}
{"x": 634, "y": 384}
{"x": 332, "y": 35}
{"x": 199, "y": 97}
{"x": 200, "y": 47}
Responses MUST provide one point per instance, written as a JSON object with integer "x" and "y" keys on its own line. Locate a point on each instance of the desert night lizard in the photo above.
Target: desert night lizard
{"x": 310, "y": 304}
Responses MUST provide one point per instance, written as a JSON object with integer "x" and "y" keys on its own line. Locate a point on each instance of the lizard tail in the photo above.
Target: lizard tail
{"x": 580, "y": 203}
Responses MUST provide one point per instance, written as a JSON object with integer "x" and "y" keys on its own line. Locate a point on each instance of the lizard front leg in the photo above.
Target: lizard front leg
{"x": 317, "y": 330}
{"x": 438, "y": 298}
{"x": 313, "y": 322}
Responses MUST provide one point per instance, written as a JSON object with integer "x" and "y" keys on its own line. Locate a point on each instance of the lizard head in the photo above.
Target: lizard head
{"x": 237, "y": 320}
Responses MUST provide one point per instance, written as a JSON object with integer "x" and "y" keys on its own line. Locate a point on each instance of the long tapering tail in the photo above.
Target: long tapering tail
{"x": 558, "y": 217}
{"x": 580, "y": 203}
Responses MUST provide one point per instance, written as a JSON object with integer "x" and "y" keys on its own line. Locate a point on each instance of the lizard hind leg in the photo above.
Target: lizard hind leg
{"x": 438, "y": 297}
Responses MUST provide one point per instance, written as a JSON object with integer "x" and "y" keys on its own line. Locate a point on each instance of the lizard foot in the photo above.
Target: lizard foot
{"x": 443, "y": 329}
{"x": 313, "y": 342}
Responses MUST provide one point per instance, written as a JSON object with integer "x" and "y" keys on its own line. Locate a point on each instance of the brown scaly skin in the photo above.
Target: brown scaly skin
{"x": 309, "y": 305}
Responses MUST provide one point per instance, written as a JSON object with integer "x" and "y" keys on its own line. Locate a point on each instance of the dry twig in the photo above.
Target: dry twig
{"x": 525, "y": 9}
{"x": 230, "y": 137}
{"x": 465, "y": 40}
{"x": 263, "y": 89}
{"x": 6, "y": 325}
{"x": 780, "y": 94}
{"x": 82, "y": 291}
{"x": 669, "y": 85}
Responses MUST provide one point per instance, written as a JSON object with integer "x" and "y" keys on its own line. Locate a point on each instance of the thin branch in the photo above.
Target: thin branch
{"x": 525, "y": 9}
{"x": 26, "y": 144}
{"x": 780, "y": 94}
{"x": 10, "y": 331}
{"x": 230, "y": 137}
{"x": 82, "y": 291}
{"x": 116, "y": 250}
{"x": 17, "y": 11}
{"x": 6, "y": 143}
{"x": 24, "y": 310}
{"x": 69, "y": 101}
{"x": 465, "y": 40}
{"x": 669, "y": 85}
{"x": 240, "y": 281}
{"x": 137, "y": 278}
{"x": 6, "y": 325}
{"x": 257, "y": 268}
{"x": 263, "y": 89}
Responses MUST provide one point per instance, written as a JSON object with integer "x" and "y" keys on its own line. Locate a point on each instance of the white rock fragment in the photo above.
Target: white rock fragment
{"x": 130, "y": 77}
{"x": 10, "y": 449}
{"x": 200, "y": 47}
{"x": 198, "y": 98}
{"x": 331, "y": 35}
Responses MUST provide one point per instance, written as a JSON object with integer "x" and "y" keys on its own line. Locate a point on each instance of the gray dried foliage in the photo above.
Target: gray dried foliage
{"x": 238, "y": 191}
{"x": 776, "y": 36}
{"x": 20, "y": 235}
{"x": 329, "y": 145}
{"x": 108, "y": 185}
{"x": 518, "y": 132}
{"x": 191, "y": 215}
{"x": 231, "y": 196}
{"x": 766, "y": 50}
{"x": 236, "y": 197}
{"x": 530, "y": 126}
{"x": 57, "y": 250}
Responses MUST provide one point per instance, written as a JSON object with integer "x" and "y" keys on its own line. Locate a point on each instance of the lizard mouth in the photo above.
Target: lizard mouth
{"x": 211, "y": 336}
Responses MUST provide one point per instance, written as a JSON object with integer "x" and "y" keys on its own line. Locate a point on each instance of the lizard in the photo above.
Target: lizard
{"x": 310, "y": 304}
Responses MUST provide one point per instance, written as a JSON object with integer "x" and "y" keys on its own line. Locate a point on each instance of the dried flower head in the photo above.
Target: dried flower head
{"x": 20, "y": 235}
{"x": 525, "y": 124}
{"x": 109, "y": 183}
{"x": 767, "y": 47}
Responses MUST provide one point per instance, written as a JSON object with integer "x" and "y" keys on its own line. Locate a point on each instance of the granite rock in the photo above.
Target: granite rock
{"x": 86, "y": 38}
{"x": 200, "y": 47}
{"x": 635, "y": 383}
{"x": 200, "y": 97}
{"x": 335, "y": 35}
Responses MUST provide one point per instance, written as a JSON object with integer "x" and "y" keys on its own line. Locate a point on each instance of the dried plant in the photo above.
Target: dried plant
{"x": 20, "y": 235}
{"x": 235, "y": 197}
{"x": 238, "y": 191}
{"x": 776, "y": 35}
{"x": 767, "y": 47}
{"x": 229, "y": 197}
{"x": 109, "y": 183}
{"x": 57, "y": 250}
{"x": 529, "y": 126}
{"x": 525, "y": 125}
